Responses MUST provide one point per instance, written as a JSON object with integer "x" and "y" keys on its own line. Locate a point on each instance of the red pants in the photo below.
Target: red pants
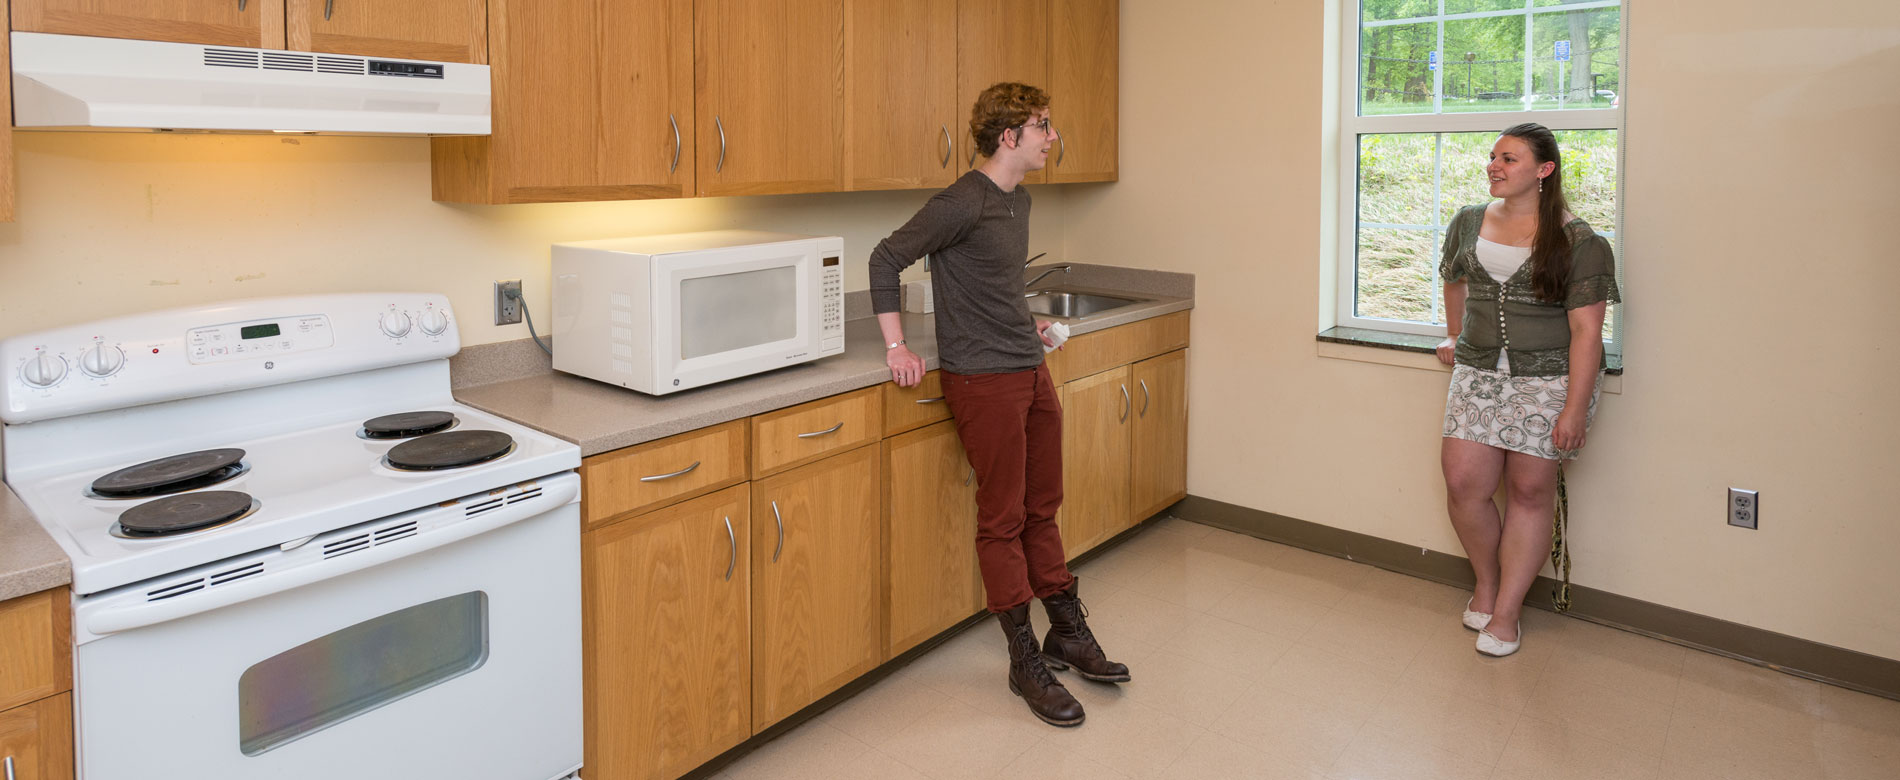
{"x": 1011, "y": 428}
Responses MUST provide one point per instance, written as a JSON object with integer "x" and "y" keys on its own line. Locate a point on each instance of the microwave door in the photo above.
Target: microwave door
{"x": 734, "y": 313}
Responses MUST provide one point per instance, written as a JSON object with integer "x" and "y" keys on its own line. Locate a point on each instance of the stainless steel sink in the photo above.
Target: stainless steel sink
{"x": 1074, "y": 305}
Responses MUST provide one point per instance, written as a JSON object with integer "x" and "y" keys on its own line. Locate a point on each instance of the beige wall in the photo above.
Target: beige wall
{"x": 1759, "y": 250}
{"x": 112, "y": 224}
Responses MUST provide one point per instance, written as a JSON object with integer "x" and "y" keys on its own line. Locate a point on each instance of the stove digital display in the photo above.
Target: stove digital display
{"x": 259, "y": 331}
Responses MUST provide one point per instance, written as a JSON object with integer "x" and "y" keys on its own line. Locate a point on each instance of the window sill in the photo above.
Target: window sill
{"x": 1413, "y": 351}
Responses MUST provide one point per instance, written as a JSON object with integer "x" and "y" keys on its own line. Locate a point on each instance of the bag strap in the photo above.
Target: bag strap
{"x": 1559, "y": 551}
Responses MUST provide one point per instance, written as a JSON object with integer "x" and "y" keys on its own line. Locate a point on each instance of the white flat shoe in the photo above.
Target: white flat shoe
{"x": 1476, "y": 621}
{"x": 1498, "y": 648}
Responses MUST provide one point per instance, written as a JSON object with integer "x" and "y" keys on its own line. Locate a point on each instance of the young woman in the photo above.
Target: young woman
{"x": 1526, "y": 287}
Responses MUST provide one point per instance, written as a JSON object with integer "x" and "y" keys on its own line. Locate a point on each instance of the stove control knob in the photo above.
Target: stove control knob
{"x": 395, "y": 324}
{"x": 433, "y": 322}
{"x": 43, "y": 370}
{"x": 102, "y": 360}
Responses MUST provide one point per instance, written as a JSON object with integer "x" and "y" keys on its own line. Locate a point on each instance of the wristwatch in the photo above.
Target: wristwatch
{"x": 894, "y": 345}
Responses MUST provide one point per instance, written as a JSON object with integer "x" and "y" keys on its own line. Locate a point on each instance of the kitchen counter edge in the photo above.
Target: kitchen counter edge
{"x": 30, "y": 561}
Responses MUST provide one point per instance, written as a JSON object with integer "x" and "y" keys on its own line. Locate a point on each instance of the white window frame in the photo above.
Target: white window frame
{"x": 1352, "y": 125}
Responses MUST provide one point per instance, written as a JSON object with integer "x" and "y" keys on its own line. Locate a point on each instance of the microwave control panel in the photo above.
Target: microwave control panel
{"x": 831, "y": 290}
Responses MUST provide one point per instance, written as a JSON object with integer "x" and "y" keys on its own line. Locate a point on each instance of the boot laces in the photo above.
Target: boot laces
{"x": 1031, "y": 653}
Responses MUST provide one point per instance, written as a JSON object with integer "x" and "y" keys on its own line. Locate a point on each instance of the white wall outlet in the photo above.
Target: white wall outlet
{"x": 1744, "y": 508}
{"x": 507, "y": 301}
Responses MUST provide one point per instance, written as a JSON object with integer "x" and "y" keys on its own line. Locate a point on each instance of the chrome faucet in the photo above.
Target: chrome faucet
{"x": 1052, "y": 269}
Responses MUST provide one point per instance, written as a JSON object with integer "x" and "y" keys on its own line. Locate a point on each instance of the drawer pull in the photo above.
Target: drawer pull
{"x": 1126, "y": 403}
{"x": 937, "y": 400}
{"x": 1144, "y": 396}
{"x": 734, "y": 541}
{"x": 658, "y": 477}
{"x": 816, "y": 434}
{"x": 781, "y": 532}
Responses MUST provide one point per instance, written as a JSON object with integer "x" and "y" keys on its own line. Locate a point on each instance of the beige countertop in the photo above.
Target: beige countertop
{"x": 30, "y": 561}
{"x": 602, "y": 417}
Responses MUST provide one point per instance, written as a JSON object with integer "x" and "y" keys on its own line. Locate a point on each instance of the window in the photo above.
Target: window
{"x": 1429, "y": 83}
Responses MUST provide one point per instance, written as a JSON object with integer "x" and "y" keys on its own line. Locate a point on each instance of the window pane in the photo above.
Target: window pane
{"x": 1574, "y": 58}
{"x": 1395, "y": 75}
{"x": 1376, "y": 10}
{"x": 1464, "y": 180}
{"x": 1484, "y": 64}
{"x": 1395, "y": 178}
{"x": 1397, "y": 274}
{"x": 1473, "y": 6}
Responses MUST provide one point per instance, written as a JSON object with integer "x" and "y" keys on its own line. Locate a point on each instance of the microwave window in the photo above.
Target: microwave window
{"x": 734, "y": 311}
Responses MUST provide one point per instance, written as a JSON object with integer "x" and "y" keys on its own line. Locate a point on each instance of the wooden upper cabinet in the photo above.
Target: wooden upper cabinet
{"x": 1001, "y": 40}
{"x": 441, "y": 30}
{"x": 770, "y": 95}
{"x": 593, "y": 100}
{"x": 257, "y": 24}
{"x": 901, "y": 117}
{"x": 1084, "y": 47}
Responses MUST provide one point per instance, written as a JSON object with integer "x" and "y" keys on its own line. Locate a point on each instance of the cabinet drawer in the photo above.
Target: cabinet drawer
{"x": 36, "y": 740}
{"x": 914, "y": 407}
{"x": 1093, "y": 353}
{"x": 35, "y": 647}
{"x": 648, "y": 476}
{"x": 807, "y": 432}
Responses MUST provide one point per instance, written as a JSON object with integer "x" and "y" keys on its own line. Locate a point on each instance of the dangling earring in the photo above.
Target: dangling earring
{"x": 1540, "y": 185}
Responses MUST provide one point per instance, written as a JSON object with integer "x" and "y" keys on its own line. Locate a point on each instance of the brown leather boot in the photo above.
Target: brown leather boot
{"x": 1071, "y": 643}
{"x": 1031, "y": 680}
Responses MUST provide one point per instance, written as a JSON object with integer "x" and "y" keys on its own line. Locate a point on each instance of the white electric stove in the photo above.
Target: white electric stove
{"x": 293, "y": 554}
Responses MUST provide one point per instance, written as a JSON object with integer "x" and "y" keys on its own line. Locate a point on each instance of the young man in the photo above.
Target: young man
{"x": 977, "y": 234}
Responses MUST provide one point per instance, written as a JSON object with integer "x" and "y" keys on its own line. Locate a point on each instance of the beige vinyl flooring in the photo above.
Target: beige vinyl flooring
{"x": 1257, "y": 660}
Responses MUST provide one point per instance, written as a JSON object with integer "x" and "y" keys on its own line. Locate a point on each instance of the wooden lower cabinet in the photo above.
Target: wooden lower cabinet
{"x": 931, "y": 579}
{"x": 36, "y": 740}
{"x": 1157, "y": 472}
{"x": 667, "y": 654}
{"x": 1095, "y": 442}
{"x": 816, "y": 581}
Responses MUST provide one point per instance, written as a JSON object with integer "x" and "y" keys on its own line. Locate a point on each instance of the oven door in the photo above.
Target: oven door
{"x": 460, "y": 658}
{"x": 727, "y": 313}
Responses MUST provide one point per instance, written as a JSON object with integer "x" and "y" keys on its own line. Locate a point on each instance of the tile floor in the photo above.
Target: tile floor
{"x": 1257, "y": 660}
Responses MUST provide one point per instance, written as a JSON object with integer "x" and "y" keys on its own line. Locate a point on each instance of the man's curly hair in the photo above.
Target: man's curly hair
{"x": 1003, "y": 106}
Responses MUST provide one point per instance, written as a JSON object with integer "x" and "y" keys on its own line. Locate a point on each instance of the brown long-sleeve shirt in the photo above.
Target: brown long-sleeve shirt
{"x": 978, "y": 237}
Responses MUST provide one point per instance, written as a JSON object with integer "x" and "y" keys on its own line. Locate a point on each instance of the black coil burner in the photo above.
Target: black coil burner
{"x": 175, "y": 474}
{"x": 406, "y": 425}
{"x": 174, "y": 515}
{"x": 451, "y": 450}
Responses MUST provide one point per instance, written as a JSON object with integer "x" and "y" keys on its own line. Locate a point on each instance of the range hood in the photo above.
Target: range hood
{"x": 71, "y": 82}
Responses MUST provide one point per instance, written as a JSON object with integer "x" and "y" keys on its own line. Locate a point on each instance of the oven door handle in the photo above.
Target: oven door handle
{"x": 305, "y": 564}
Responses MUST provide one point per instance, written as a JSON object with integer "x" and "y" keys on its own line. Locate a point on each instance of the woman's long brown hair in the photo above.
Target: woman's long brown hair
{"x": 1550, "y": 252}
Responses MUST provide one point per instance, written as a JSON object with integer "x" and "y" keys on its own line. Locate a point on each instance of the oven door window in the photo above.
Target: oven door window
{"x": 333, "y": 678}
{"x": 739, "y": 310}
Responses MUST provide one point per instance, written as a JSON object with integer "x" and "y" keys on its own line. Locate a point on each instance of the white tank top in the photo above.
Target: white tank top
{"x": 1501, "y": 261}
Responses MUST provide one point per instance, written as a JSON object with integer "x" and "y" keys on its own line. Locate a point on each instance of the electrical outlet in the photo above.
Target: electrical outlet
{"x": 507, "y": 301}
{"x": 1744, "y": 508}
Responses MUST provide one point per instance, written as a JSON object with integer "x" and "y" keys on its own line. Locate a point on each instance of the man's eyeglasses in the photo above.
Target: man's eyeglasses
{"x": 1040, "y": 124}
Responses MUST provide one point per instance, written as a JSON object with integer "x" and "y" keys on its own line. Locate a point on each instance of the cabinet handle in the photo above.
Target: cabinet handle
{"x": 1062, "y": 149}
{"x": 9, "y": 763}
{"x": 1126, "y": 402}
{"x": 10, "y": 760}
{"x": 734, "y": 541}
{"x": 946, "y": 146}
{"x": 937, "y": 400}
{"x": 969, "y": 476}
{"x": 658, "y": 477}
{"x": 972, "y": 163}
{"x": 816, "y": 434}
{"x": 781, "y": 532}
{"x": 676, "y": 144}
{"x": 721, "y": 165}
{"x": 1144, "y": 396}
{"x": 330, "y": 5}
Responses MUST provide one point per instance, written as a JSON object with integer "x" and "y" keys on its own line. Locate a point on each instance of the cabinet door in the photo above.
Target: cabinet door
{"x": 770, "y": 96}
{"x": 1084, "y": 47}
{"x": 667, "y": 659}
{"x": 816, "y": 582}
{"x": 901, "y": 118}
{"x": 999, "y": 40}
{"x": 441, "y": 30}
{"x": 1095, "y": 459}
{"x": 36, "y": 740}
{"x": 257, "y": 24}
{"x": 35, "y": 646}
{"x": 593, "y": 100}
{"x": 1158, "y": 464}
{"x": 930, "y": 533}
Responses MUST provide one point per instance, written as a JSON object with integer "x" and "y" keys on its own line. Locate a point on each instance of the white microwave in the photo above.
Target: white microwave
{"x": 660, "y": 314}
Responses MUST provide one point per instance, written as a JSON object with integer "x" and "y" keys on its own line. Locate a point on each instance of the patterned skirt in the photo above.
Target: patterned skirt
{"x": 1515, "y": 413}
